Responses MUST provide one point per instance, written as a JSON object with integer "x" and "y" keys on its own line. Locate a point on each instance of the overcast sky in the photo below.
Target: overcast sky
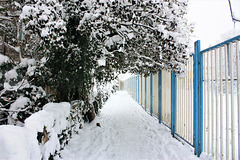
{"x": 212, "y": 19}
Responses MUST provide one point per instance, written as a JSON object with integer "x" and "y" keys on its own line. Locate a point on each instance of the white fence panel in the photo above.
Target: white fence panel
{"x": 221, "y": 101}
{"x": 185, "y": 104}
{"x": 166, "y": 97}
{"x": 155, "y": 94}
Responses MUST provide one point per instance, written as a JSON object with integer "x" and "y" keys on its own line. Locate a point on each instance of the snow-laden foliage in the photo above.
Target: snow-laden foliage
{"x": 71, "y": 66}
{"x": 44, "y": 24}
{"x": 142, "y": 36}
{"x": 44, "y": 18}
{"x": 90, "y": 40}
{"x": 19, "y": 98}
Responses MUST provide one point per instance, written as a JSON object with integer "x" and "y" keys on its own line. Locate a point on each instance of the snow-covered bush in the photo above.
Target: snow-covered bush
{"x": 18, "y": 97}
{"x": 54, "y": 117}
{"x": 76, "y": 115}
{"x": 39, "y": 138}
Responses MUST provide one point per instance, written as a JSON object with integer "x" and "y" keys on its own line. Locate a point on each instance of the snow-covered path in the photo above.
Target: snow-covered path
{"x": 127, "y": 133}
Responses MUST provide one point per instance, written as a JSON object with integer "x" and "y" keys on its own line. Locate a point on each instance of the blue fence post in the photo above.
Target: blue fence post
{"x": 160, "y": 96}
{"x": 198, "y": 100}
{"x": 195, "y": 101}
{"x": 200, "y": 94}
{"x": 145, "y": 93}
{"x": 151, "y": 94}
{"x": 173, "y": 102}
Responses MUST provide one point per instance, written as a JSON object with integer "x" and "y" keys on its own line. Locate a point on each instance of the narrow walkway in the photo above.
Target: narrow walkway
{"x": 127, "y": 133}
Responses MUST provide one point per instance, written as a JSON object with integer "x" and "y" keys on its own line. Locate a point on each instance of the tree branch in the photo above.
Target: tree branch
{"x": 12, "y": 110}
{"x": 13, "y": 87}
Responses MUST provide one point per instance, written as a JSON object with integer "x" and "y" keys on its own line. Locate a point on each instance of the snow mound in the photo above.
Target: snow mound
{"x": 18, "y": 143}
{"x": 21, "y": 142}
{"x": 37, "y": 121}
{"x": 60, "y": 112}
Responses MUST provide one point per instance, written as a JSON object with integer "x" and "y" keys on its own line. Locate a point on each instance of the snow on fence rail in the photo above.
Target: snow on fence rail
{"x": 203, "y": 107}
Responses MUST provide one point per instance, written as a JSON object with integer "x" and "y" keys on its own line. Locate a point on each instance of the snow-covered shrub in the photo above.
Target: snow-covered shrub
{"x": 29, "y": 142}
{"x": 54, "y": 117}
{"x": 76, "y": 116}
{"x": 101, "y": 93}
{"x": 18, "y": 97}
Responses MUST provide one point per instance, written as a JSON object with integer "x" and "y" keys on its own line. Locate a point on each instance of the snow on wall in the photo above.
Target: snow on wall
{"x": 21, "y": 142}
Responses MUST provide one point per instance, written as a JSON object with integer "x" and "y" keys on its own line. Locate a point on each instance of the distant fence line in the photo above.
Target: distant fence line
{"x": 202, "y": 108}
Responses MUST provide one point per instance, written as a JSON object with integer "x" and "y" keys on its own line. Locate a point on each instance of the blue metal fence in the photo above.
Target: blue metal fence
{"x": 173, "y": 102}
{"x": 211, "y": 126}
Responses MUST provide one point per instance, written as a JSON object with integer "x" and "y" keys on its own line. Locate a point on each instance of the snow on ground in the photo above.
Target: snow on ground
{"x": 127, "y": 132}
{"x": 20, "y": 143}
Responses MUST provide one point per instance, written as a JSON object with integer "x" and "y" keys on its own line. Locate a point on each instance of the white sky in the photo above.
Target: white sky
{"x": 212, "y": 19}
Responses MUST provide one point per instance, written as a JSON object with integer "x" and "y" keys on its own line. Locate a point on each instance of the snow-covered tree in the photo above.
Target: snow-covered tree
{"x": 85, "y": 43}
{"x": 142, "y": 36}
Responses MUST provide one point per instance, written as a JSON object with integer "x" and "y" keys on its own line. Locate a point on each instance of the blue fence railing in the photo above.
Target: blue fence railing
{"x": 203, "y": 107}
